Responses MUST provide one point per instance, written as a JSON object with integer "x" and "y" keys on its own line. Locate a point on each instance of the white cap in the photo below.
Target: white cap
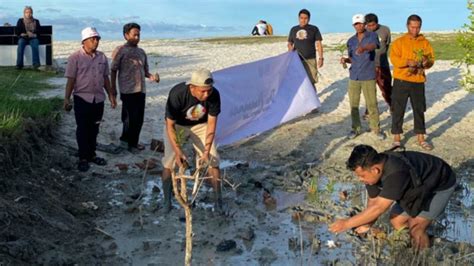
{"x": 358, "y": 18}
{"x": 201, "y": 78}
{"x": 89, "y": 32}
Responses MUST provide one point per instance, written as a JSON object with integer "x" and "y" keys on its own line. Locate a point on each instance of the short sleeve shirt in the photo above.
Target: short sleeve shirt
{"x": 363, "y": 65}
{"x": 132, "y": 65}
{"x": 436, "y": 174}
{"x": 304, "y": 39}
{"x": 89, "y": 73}
{"x": 187, "y": 110}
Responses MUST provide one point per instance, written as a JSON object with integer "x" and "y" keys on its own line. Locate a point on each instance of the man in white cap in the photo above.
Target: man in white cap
{"x": 361, "y": 48}
{"x": 191, "y": 112}
{"x": 87, "y": 74}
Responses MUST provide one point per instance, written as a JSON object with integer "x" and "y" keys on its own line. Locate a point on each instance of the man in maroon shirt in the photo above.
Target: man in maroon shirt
{"x": 87, "y": 74}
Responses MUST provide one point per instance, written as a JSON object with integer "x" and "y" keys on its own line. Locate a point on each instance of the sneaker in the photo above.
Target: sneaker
{"x": 353, "y": 134}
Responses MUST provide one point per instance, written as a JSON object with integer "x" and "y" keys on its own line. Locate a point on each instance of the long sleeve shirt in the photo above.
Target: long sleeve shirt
{"x": 381, "y": 59}
{"x": 403, "y": 49}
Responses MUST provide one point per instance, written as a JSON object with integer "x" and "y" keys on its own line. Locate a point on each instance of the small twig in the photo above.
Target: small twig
{"x": 374, "y": 248}
{"x": 415, "y": 256}
{"x": 463, "y": 257}
{"x": 233, "y": 186}
{"x": 103, "y": 232}
{"x": 140, "y": 209}
{"x": 14, "y": 82}
{"x": 301, "y": 239}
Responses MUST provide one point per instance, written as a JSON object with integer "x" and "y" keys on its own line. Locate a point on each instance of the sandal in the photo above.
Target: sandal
{"x": 396, "y": 144}
{"x": 83, "y": 166}
{"x": 425, "y": 145}
{"x": 140, "y": 146}
{"x": 98, "y": 161}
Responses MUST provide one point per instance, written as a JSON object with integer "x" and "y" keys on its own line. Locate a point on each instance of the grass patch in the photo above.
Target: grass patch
{"x": 444, "y": 45}
{"x": 18, "y": 89}
{"x": 245, "y": 40}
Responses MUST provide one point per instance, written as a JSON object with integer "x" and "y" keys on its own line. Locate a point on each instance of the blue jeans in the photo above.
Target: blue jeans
{"x": 22, "y": 43}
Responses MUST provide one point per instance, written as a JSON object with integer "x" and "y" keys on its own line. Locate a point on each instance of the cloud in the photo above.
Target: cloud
{"x": 51, "y": 10}
{"x": 69, "y": 27}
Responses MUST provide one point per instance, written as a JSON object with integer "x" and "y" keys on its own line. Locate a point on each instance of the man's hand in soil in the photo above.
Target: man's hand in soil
{"x": 338, "y": 226}
{"x": 362, "y": 229}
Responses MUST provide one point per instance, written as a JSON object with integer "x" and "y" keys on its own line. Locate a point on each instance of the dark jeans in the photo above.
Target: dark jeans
{"x": 133, "y": 112}
{"x": 22, "y": 43}
{"x": 88, "y": 117}
{"x": 402, "y": 90}
{"x": 384, "y": 81}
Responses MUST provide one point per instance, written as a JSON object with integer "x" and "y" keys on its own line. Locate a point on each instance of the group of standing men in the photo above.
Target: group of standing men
{"x": 416, "y": 185}
{"x": 87, "y": 74}
{"x": 368, "y": 50}
{"x": 191, "y": 110}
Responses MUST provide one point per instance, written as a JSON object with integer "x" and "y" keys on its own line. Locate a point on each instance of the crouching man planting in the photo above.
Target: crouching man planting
{"x": 419, "y": 184}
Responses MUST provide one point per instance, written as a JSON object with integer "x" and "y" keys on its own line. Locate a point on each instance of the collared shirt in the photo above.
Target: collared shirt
{"x": 132, "y": 66}
{"x": 363, "y": 65}
{"x": 405, "y": 48}
{"x": 89, "y": 73}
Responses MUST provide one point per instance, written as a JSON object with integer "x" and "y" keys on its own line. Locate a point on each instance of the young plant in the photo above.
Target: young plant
{"x": 330, "y": 186}
{"x": 420, "y": 57}
{"x": 342, "y": 47}
{"x": 180, "y": 137}
{"x": 466, "y": 40}
{"x": 313, "y": 185}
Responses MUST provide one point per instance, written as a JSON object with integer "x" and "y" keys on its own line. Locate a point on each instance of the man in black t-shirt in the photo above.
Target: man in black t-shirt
{"x": 191, "y": 112}
{"x": 305, "y": 38}
{"x": 389, "y": 178}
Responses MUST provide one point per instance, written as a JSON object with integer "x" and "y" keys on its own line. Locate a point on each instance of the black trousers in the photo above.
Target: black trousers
{"x": 88, "y": 117}
{"x": 133, "y": 112}
{"x": 402, "y": 90}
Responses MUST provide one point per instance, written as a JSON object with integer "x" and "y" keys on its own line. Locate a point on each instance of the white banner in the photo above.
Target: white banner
{"x": 261, "y": 95}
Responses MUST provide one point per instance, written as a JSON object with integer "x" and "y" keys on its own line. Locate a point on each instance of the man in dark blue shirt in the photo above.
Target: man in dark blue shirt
{"x": 361, "y": 48}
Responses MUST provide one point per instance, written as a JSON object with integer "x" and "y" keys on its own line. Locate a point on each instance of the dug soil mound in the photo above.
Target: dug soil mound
{"x": 43, "y": 218}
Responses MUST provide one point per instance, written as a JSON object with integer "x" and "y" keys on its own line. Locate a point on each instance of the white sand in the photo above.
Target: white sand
{"x": 449, "y": 116}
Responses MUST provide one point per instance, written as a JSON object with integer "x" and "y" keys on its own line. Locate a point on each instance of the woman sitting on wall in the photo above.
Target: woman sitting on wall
{"x": 27, "y": 30}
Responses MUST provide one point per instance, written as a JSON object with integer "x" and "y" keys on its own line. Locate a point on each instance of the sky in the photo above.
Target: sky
{"x": 184, "y": 19}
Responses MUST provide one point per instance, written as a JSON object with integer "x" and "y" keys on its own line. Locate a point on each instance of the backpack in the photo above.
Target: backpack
{"x": 269, "y": 30}
{"x": 416, "y": 197}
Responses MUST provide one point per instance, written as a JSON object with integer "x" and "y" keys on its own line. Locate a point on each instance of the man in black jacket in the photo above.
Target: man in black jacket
{"x": 391, "y": 177}
{"x": 27, "y": 29}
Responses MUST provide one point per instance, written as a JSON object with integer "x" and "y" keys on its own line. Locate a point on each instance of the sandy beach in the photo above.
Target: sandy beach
{"x": 315, "y": 145}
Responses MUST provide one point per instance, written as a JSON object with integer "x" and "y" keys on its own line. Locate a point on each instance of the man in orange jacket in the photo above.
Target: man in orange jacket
{"x": 410, "y": 55}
